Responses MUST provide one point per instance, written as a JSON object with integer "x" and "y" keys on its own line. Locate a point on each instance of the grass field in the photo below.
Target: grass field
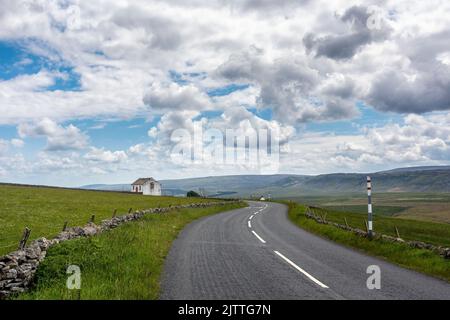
{"x": 44, "y": 210}
{"x": 416, "y": 259}
{"x": 124, "y": 263}
{"x": 402, "y": 205}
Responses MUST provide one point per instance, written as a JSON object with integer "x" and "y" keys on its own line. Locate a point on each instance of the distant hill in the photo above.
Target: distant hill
{"x": 108, "y": 187}
{"x": 413, "y": 179}
{"x": 415, "y": 169}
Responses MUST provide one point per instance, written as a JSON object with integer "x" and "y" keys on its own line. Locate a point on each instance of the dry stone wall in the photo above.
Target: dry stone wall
{"x": 17, "y": 268}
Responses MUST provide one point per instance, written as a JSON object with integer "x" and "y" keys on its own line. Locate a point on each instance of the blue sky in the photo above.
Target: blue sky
{"x": 95, "y": 94}
{"x": 16, "y": 60}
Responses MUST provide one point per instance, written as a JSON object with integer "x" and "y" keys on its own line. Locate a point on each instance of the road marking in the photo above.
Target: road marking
{"x": 249, "y": 224}
{"x": 251, "y": 217}
{"x": 260, "y": 239}
{"x": 302, "y": 271}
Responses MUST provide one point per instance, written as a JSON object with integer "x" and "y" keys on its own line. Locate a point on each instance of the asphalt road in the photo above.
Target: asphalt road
{"x": 230, "y": 256}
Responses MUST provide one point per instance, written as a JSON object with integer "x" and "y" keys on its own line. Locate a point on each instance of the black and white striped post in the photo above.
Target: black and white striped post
{"x": 369, "y": 207}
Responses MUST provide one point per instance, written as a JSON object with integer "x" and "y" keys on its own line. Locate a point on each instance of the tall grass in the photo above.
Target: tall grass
{"x": 124, "y": 263}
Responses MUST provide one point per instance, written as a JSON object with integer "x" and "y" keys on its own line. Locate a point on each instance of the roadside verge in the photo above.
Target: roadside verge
{"x": 421, "y": 260}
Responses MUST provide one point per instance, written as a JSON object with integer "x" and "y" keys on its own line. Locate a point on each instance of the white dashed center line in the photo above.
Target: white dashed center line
{"x": 302, "y": 271}
{"x": 310, "y": 277}
{"x": 260, "y": 239}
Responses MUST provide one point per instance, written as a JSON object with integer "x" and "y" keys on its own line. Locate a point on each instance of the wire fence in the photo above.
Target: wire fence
{"x": 12, "y": 242}
{"x": 51, "y": 230}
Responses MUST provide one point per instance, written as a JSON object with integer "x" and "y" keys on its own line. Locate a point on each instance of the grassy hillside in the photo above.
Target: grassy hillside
{"x": 416, "y": 259}
{"x": 44, "y": 210}
{"x": 124, "y": 263}
{"x": 416, "y": 179}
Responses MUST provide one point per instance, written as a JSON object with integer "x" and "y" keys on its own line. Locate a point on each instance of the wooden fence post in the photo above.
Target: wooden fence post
{"x": 396, "y": 231}
{"x": 129, "y": 211}
{"x": 65, "y": 226}
{"x": 114, "y": 213}
{"x": 92, "y": 218}
{"x": 25, "y": 236}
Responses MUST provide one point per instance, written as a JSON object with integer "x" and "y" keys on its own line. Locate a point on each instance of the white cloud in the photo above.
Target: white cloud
{"x": 106, "y": 156}
{"x": 18, "y": 143}
{"x": 124, "y": 51}
{"x": 98, "y": 126}
{"x": 291, "y": 88}
{"x": 137, "y": 149}
{"x": 420, "y": 140}
{"x": 54, "y": 163}
{"x": 27, "y": 83}
{"x": 3, "y": 146}
{"x": 152, "y": 132}
{"x": 59, "y": 138}
{"x": 307, "y": 61}
{"x": 99, "y": 171}
{"x": 174, "y": 97}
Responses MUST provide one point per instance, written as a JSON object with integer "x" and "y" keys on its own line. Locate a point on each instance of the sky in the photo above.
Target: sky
{"x": 93, "y": 91}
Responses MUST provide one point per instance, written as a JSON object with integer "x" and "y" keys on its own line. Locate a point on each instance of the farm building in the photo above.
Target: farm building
{"x": 146, "y": 186}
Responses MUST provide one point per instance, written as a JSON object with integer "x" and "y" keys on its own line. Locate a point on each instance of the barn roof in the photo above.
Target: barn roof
{"x": 142, "y": 181}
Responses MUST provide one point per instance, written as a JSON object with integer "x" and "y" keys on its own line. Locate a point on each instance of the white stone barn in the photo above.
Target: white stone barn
{"x": 146, "y": 186}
